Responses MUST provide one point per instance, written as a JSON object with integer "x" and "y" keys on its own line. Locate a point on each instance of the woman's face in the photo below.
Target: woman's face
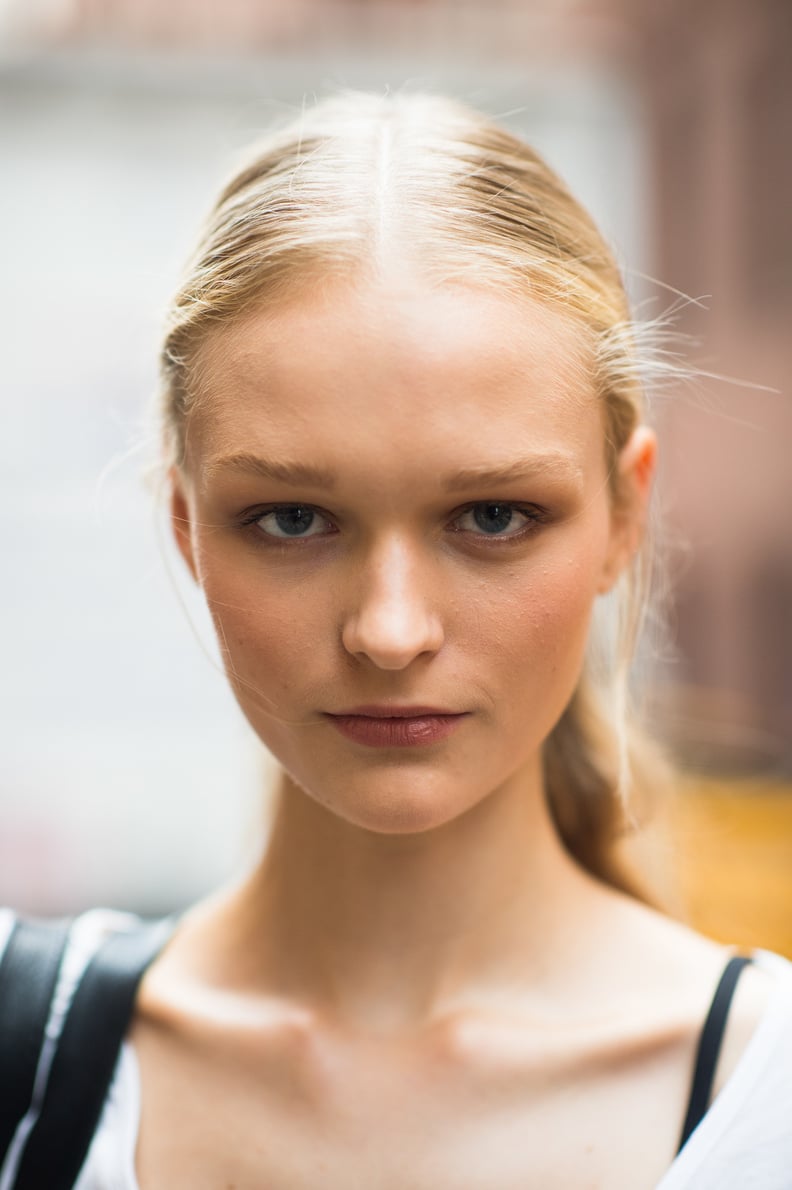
{"x": 396, "y": 500}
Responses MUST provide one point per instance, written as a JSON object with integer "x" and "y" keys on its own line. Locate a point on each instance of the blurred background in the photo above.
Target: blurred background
{"x": 127, "y": 776}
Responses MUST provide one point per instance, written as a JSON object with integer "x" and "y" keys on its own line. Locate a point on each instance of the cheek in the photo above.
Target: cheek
{"x": 541, "y": 655}
{"x": 545, "y": 647}
{"x": 543, "y": 612}
{"x": 267, "y": 635}
{"x": 536, "y": 634}
{"x": 563, "y": 607}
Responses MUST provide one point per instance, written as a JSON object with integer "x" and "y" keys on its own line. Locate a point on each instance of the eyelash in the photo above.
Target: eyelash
{"x": 535, "y": 516}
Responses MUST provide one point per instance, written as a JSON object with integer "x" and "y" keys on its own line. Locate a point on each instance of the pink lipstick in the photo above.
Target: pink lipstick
{"x": 396, "y": 727}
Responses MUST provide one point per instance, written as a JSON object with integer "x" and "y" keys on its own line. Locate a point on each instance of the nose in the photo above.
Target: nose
{"x": 392, "y": 620}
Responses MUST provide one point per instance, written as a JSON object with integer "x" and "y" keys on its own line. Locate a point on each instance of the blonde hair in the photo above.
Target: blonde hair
{"x": 362, "y": 179}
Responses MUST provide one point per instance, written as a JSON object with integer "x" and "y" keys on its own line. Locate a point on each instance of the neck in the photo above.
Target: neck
{"x": 387, "y": 931}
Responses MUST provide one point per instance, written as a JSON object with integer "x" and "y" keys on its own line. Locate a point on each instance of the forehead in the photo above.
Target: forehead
{"x": 400, "y": 369}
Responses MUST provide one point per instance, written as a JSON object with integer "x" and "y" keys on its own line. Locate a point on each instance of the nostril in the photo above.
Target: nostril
{"x": 392, "y": 639}
{"x": 393, "y": 617}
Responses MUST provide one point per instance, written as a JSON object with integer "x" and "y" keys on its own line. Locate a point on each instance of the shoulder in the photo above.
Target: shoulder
{"x": 745, "y": 1138}
{"x": 760, "y": 1015}
{"x": 685, "y": 968}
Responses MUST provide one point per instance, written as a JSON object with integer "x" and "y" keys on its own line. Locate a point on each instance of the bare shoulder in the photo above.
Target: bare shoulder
{"x": 684, "y": 968}
{"x": 656, "y": 955}
{"x": 751, "y": 999}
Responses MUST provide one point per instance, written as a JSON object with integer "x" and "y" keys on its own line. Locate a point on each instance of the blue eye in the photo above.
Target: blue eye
{"x": 492, "y": 518}
{"x": 289, "y": 520}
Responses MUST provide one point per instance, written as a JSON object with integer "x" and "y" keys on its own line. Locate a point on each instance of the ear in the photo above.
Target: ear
{"x": 635, "y": 466}
{"x": 181, "y": 519}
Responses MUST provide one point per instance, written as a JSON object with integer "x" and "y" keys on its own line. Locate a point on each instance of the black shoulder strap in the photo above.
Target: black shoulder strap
{"x": 28, "y": 973}
{"x": 86, "y": 1058}
{"x": 710, "y": 1045}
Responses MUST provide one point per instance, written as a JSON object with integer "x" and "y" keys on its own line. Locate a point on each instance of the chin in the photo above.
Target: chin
{"x": 408, "y": 807}
{"x": 401, "y": 818}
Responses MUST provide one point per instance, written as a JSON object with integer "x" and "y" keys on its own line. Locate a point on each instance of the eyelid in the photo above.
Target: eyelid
{"x": 535, "y": 515}
{"x": 252, "y": 516}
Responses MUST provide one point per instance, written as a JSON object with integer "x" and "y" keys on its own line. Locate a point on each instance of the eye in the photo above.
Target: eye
{"x": 284, "y": 521}
{"x": 496, "y": 518}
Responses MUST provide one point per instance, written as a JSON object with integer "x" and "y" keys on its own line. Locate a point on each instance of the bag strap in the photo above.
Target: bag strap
{"x": 710, "y": 1045}
{"x": 29, "y": 970}
{"x": 86, "y": 1057}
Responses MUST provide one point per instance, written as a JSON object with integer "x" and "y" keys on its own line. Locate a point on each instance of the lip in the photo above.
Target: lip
{"x": 394, "y": 711}
{"x": 396, "y": 727}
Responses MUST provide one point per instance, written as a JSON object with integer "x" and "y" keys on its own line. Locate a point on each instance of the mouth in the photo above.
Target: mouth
{"x": 395, "y": 726}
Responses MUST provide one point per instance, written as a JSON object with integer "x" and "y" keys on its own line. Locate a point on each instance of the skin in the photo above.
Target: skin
{"x": 416, "y": 986}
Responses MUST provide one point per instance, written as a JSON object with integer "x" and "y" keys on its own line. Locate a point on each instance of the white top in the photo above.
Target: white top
{"x": 745, "y": 1139}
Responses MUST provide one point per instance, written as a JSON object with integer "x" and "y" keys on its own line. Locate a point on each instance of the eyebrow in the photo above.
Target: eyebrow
{"x": 554, "y": 465}
{"x": 295, "y": 473}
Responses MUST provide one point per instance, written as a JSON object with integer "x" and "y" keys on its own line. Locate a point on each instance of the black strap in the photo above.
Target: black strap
{"x": 86, "y": 1058}
{"x": 709, "y": 1046}
{"x": 28, "y": 973}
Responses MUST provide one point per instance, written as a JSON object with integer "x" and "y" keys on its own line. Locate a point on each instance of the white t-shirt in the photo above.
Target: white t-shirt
{"x": 743, "y": 1142}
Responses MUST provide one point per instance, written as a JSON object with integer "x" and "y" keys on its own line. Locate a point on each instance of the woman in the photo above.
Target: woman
{"x": 406, "y": 458}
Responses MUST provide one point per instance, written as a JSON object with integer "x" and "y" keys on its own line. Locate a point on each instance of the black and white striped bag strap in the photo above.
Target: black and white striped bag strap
{"x": 29, "y": 970}
{"x": 47, "y": 1120}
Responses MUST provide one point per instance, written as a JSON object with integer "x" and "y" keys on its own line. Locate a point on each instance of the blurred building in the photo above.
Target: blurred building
{"x": 718, "y": 94}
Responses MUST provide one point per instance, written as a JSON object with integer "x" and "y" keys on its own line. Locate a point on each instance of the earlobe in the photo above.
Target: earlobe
{"x": 636, "y": 469}
{"x": 181, "y": 520}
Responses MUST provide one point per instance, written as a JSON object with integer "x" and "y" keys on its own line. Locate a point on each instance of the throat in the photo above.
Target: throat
{"x": 392, "y": 932}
